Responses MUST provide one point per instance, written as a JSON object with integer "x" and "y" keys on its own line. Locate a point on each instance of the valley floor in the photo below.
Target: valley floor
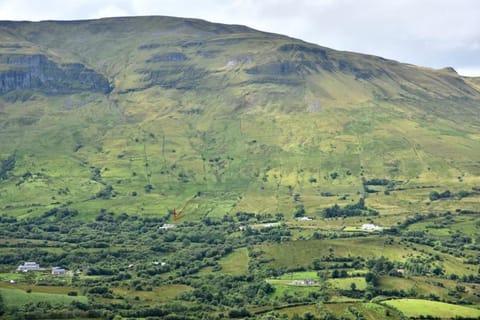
{"x": 257, "y": 266}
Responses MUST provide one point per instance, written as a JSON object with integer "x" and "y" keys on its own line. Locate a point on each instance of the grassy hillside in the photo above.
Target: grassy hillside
{"x": 228, "y": 117}
{"x": 417, "y": 308}
{"x": 166, "y": 163}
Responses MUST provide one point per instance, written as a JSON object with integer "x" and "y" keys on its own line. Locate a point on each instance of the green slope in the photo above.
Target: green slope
{"x": 139, "y": 115}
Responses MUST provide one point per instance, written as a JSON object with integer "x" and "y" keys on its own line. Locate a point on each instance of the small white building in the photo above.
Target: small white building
{"x": 28, "y": 266}
{"x": 304, "y": 282}
{"x": 167, "y": 226}
{"x": 58, "y": 271}
{"x": 370, "y": 227}
{"x": 305, "y": 219}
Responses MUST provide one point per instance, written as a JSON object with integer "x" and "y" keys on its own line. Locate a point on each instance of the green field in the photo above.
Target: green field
{"x": 286, "y": 290}
{"x": 301, "y": 253}
{"x": 236, "y": 263}
{"x": 418, "y": 307}
{"x": 17, "y": 297}
{"x": 160, "y": 294}
{"x": 345, "y": 283}
{"x": 370, "y": 311}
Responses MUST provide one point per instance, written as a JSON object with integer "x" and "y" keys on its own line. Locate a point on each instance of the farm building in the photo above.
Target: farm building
{"x": 28, "y": 266}
{"x": 305, "y": 219}
{"x": 304, "y": 282}
{"x": 370, "y": 227}
{"x": 167, "y": 226}
{"x": 58, "y": 271}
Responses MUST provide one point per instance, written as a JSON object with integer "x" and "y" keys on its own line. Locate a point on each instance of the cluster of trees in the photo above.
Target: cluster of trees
{"x": 6, "y": 166}
{"x": 435, "y": 195}
{"x": 229, "y": 291}
{"x": 423, "y": 266}
{"x": 357, "y": 209}
{"x": 377, "y": 182}
{"x": 389, "y": 184}
{"x": 243, "y": 216}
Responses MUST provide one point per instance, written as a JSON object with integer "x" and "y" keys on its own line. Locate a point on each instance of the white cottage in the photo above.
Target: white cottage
{"x": 28, "y": 266}
{"x": 58, "y": 271}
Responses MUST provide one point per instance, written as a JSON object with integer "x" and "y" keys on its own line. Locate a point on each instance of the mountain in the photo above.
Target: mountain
{"x": 141, "y": 115}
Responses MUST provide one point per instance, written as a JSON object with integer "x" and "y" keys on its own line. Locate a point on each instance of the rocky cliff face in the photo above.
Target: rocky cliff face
{"x": 37, "y": 72}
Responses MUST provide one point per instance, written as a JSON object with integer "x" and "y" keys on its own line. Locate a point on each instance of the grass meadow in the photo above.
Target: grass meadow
{"x": 419, "y": 307}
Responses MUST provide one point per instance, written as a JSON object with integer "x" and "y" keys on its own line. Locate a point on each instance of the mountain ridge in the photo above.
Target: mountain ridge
{"x": 160, "y": 109}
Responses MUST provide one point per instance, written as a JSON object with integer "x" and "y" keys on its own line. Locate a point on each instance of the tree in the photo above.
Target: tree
{"x": 323, "y": 312}
{"x": 2, "y": 305}
{"x": 242, "y": 313}
{"x": 267, "y": 288}
{"x": 353, "y": 286}
{"x": 6, "y": 166}
{"x": 334, "y": 175}
{"x": 434, "y": 195}
{"x": 29, "y": 277}
{"x": 324, "y": 291}
{"x": 308, "y": 316}
{"x": 316, "y": 264}
{"x": 335, "y": 274}
{"x": 372, "y": 278}
{"x": 299, "y": 211}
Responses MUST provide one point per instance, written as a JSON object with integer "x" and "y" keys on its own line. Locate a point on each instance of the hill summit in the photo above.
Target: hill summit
{"x": 145, "y": 114}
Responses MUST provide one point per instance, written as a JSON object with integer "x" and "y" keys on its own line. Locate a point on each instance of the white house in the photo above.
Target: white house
{"x": 58, "y": 271}
{"x": 167, "y": 226}
{"x": 304, "y": 282}
{"x": 28, "y": 266}
{"x": 370, "y": 227}
{"x": 305, "y": 219}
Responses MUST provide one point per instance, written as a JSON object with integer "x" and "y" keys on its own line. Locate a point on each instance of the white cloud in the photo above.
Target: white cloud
{"x": 469, "y": 72}
{"x": 109, "y": 11}
{"x": 434, "y": 33}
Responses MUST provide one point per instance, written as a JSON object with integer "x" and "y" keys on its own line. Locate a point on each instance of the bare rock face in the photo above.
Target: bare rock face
{"x": 37, "y": 72}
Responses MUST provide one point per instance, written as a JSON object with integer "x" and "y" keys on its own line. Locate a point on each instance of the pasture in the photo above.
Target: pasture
{"x": 17, "y": 297}
{"x": 419, "y": 307}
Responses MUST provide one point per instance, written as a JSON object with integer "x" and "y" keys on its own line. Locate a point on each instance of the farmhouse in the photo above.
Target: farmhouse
{"x": 370, "y": 227}
{"x": 167, "y": 226}
{"x": 28, "y": 266}
{"x": 304, "y": 282}
{"x": 58, "y": 271}
{"x": 305, "y": 219}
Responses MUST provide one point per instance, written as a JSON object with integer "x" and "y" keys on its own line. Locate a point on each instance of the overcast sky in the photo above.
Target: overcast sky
{"x": 434, "y": 33}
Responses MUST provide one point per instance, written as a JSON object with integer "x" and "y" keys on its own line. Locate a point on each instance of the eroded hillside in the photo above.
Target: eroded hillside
{"x": 142, "y": 115}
